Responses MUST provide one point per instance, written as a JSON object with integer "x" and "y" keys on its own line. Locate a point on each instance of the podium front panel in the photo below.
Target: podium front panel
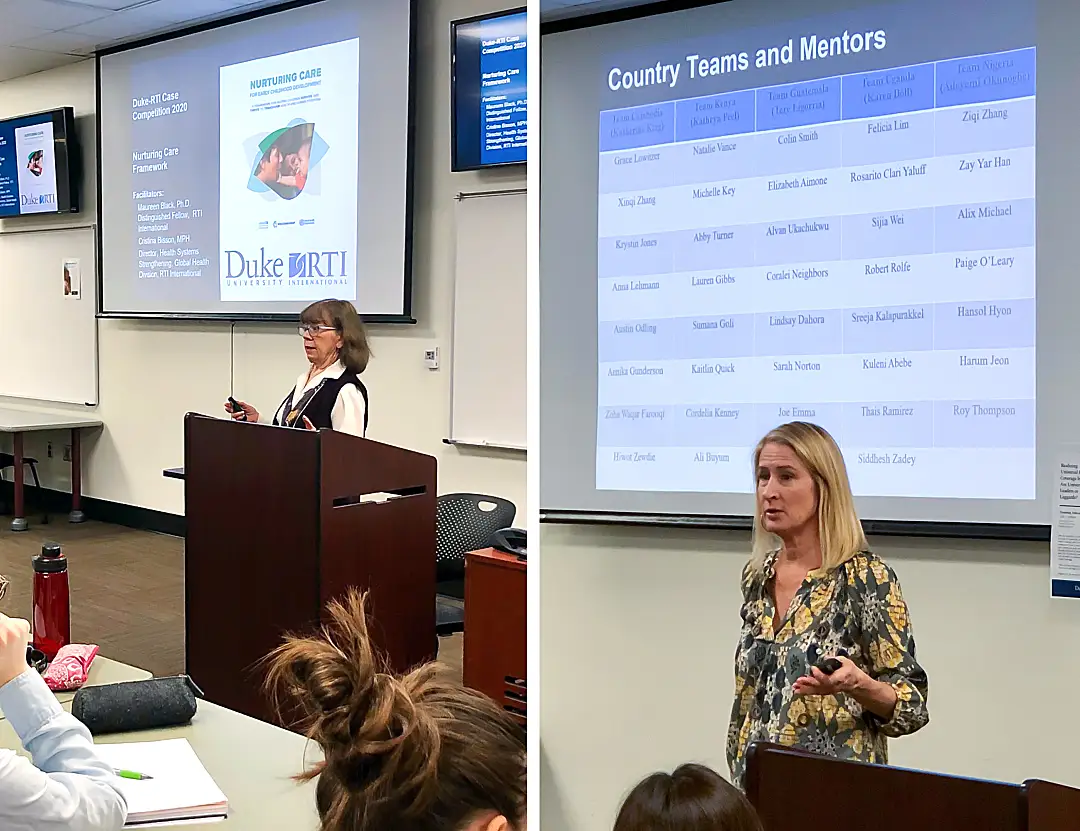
{"x": 251, "y": 552}
{"x": 793, "y": 789}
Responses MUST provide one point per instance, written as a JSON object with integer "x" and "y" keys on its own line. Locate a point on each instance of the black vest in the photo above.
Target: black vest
{"x": 318, "y": 403}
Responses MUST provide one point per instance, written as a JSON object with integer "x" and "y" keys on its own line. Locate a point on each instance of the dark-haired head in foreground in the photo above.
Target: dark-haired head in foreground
{"x": 693, "y": 798}
{"x": 418, "y": 752}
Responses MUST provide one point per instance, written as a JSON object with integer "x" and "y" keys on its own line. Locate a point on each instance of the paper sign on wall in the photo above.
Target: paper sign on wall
{"x": 1065, "y": 531}
{"x": 72, "y": 279}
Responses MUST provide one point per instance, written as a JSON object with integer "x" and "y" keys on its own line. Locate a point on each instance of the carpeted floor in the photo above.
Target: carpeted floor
{"x": 127, "y": 590}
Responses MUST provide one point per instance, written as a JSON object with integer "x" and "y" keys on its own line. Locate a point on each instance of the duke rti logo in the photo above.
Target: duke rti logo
{"x": 301, "y": 265}
{"x": 40, "y": 199}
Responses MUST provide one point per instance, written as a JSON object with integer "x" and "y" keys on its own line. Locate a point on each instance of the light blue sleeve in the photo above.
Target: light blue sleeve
{"x": 67, "y": 786}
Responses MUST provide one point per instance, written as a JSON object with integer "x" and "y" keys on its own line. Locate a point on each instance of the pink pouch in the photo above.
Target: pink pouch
{"x": 70, "y": 667}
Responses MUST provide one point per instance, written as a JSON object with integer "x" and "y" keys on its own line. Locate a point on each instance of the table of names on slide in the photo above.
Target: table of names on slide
{"x": 856, "y": 250}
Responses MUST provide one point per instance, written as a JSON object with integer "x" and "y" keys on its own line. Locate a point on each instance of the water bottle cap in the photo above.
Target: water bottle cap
{"x": 51, "y": 560}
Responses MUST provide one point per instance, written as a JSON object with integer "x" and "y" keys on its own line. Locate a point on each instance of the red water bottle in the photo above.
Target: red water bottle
{"x": 52, "y": 603}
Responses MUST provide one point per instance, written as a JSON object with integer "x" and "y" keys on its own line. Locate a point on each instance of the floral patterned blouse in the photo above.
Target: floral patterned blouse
{"x": 856, "y": 610}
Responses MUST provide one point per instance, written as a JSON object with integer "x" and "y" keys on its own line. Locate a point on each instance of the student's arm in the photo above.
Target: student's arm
{"x": 67, "y": 786}
{"x": 348, "y": 413}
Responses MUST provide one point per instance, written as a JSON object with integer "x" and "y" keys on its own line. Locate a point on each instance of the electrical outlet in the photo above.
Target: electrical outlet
{"x": 67, "y": 452}
{"x": 48, "y": 450}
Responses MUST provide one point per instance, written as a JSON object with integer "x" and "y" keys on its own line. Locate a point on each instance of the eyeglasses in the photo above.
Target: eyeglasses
{"x": 314, "y": 328}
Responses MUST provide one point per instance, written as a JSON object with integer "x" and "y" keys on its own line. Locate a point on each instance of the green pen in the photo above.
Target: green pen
{"x": 130, "y": 774}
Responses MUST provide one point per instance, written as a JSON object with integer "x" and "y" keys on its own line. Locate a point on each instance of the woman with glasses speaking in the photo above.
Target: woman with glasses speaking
{"x": 329, "y": 394}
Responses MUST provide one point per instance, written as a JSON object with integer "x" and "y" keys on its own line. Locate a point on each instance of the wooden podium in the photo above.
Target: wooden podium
{"x": 791, "y": 787}
{"x": 279, "y": 522}
{"x": 494, "y": 656}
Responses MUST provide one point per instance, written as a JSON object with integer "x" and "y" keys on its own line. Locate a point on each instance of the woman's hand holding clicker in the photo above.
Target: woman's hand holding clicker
{"x": 245, "y": 413}
{"x": 847, "y": 679}
{"x": 876, "y": 696}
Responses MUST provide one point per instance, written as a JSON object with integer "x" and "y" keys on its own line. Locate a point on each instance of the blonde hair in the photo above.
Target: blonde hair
{"x": 840, "y": 532}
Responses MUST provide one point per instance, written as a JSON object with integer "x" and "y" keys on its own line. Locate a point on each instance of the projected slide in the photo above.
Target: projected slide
{"x": 256, "y": 166}
{"x": 289, "y": 175}
{"x": 856, "y": 250}
{"x": 27, "y": 167}
{"x": 283, "y": 226}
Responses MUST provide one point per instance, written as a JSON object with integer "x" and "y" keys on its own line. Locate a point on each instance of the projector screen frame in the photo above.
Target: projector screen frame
{"x": 587, "y": 20}
{"x": 872, "y": 527}
{"x": 1013, "y": 532}
{"x": 406, "y": 317}
{"x": 455, "y": 166}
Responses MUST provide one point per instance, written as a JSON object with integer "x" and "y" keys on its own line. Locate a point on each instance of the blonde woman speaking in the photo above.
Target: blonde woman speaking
{"x": 826, "y": 657}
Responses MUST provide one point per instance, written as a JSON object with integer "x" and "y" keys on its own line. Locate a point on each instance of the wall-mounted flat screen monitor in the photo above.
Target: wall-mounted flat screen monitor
{"x": 489, "y": 99}
{"x": 39, "y": 164}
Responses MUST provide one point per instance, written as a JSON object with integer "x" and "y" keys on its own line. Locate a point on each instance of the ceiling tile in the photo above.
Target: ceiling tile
{"x": 181, "y": 11}
{"x": 50, "y": 15}
{"x": 153, "y": 18}
{"x": 238, "y": 7}
{"x": 122, "y": 25}
{"x": 55, "y": 32}
{"x": 107, "y": 5}
{"x": 16, "y": 62}
{"x": 67, "y": 43}
{"x": 11, "y": 35}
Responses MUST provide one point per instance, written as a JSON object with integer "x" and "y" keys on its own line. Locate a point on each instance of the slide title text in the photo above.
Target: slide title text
{"x": 809, "y": 48}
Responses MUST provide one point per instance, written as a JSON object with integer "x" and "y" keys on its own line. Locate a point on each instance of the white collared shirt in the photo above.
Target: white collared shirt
{"x": 67, "y": 787}
{"x": 348, "y": 413}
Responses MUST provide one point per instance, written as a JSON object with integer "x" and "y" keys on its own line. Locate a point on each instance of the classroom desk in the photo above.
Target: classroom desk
{"x": 105, "y": 671}
{"x": 251, "y": 761}
{"x": 20, "y": 422}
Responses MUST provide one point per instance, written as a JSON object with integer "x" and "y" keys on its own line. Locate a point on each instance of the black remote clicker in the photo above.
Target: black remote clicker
{"x": 236, "y": 408}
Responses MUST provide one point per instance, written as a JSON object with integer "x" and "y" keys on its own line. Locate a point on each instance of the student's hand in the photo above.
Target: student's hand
{"x": 307, "y": 424}
{"x": 245, "y": 410}
{"x": 14, "y": 638}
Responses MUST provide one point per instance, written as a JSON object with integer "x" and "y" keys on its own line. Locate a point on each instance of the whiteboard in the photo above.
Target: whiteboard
{"x": 49, "y": 341}
{"x": 489, "y": 370}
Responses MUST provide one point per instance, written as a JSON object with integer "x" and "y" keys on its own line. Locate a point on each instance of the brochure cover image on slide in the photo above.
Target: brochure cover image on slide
{"x": 37, "y": 168}
{"x": 289, "y": 143}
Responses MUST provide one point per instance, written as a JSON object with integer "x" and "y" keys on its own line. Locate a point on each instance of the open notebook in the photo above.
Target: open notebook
{"x": 180, "y": 790}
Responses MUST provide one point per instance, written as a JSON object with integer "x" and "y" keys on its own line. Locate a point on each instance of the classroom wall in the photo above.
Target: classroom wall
{"x": 639, "y": 631}
{"x": 154, "y": 372}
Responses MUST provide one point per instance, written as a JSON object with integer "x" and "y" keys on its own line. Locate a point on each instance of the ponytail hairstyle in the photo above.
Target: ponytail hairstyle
{"x": 419, "y": 752}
